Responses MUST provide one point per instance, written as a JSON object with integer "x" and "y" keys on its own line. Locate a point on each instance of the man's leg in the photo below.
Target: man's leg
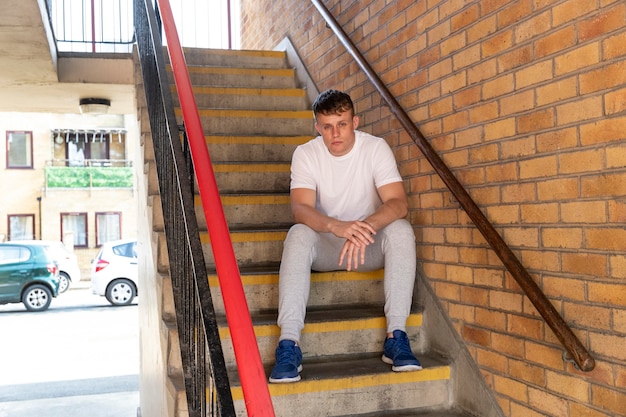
{"x": 398, "y": 246}
{"x": 304, "y": 250}
{"x": 293, "y": 294}
{"x": 295, "y": 280}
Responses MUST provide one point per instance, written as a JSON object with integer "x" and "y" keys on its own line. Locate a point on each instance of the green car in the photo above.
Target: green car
{"x": 28, "y": 274}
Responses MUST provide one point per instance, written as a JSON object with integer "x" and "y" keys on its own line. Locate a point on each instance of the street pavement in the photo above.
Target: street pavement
{"x": 78, "y": 358}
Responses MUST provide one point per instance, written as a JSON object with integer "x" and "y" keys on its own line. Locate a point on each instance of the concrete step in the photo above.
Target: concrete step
{"x": 413, "y": 413}
{"x": 235, "y": 58}
{"x": 255, "y": 122}
{"x": 283, "y": 78}
{"x": 362, "y": 384}
{"x": 329, "y": 331}
{"x": 327, "y": 288}
{"x": 248, "y": 98}
{"x": 257, "y": 210}
{"x": 175, "y": 395}
{"x": 254, "y": 148}
{"x": 251, "y": 247}
{"x": 234, "y": 178}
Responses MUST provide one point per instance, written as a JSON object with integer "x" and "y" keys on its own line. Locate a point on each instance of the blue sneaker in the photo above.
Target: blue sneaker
{"x": 288, "y": 362}
{"x": 397, "y": 352}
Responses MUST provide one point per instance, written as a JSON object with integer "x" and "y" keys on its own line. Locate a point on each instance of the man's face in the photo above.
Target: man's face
{"x": 337, "y": 130}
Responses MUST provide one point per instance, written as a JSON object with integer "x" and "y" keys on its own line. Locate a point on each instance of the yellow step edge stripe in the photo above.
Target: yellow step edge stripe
{"x": 265, "y": 114}
{"x": 239, "y": 200}
{"x": 347, "y": 276}
{"x": 238, "y": 52}
{"x": 238, "y": 237}
{"x": 256, "y": 199}
{"x": 414, "y": 320}
{"x": 440, "y": 373}
{"x": 258, "y": 114}
{"x": 257, "y": 140}
{"x": 218, "y": 167}
{"x": 264, "y": 92}
{"x": 270, "y": 279}
{"x": 266, "y": 72}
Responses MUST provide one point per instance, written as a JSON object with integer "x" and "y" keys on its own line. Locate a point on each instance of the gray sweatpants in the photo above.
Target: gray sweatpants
{"x": 306, "y": 250}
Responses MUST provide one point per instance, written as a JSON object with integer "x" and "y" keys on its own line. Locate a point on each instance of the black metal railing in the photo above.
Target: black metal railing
{"x": 204, "y": 370}
{"x": 563, "y": 332}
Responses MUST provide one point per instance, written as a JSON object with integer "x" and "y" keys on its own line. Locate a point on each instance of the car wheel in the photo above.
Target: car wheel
{"x": 64, "y": 282}
{"x": 37, "y": 298}
{"x": 120, "y": 292}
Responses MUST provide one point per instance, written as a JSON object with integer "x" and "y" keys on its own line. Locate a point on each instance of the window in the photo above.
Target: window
{"x": 97, "y": 148}
{"x": 21, "y": 226}
{"x": 76, "y": 224}
{"x": 19, "y": 149}
{"x": 14, "y": 254}
{"x": 108, "y": 227}
{"x": 127, "y": 250}
{"x": 88, "y": 146}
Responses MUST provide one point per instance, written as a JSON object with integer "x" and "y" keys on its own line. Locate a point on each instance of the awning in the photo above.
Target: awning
{"x": 95, "y": 135}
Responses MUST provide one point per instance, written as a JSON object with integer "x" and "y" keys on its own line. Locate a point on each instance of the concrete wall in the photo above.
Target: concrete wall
{"x": 526, "y": 103}
{"x": 158, "y": 396}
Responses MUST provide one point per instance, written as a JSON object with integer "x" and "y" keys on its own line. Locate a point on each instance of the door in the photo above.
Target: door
{"x": 16, "y": 268}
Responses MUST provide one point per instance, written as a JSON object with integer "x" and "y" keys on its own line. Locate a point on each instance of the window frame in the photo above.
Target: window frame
{"x": 29, "y": 136}
{"x": 119, "y": 218}
{"x": 86, "y": 218}
{"x": 32, "y": 219}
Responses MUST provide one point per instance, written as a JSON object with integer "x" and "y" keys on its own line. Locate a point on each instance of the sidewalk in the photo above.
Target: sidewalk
{"x": 78, "y": 358}
{"x": 101, "y": 397}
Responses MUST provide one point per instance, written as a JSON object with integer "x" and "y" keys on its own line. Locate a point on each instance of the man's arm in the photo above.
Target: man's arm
{"x": 395, "y": 205}
{"x": 305, "y": 212}
{"x": 358, "y": 234}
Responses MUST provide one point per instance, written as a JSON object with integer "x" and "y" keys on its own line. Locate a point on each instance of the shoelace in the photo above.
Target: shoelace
{"x": 401, "y": 347}
{"x": 287, "y": 355}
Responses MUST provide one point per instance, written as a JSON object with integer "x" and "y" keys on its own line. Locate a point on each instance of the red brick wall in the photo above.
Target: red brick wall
{"x": 526, "y": 103}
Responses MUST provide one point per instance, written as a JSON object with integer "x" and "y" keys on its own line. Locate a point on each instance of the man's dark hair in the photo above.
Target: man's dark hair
{"x": 333, "y": 102}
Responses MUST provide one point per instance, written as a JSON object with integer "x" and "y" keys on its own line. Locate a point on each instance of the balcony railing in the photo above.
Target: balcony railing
{"x": 106, "y": 26}
{"x": 92, "y": 174}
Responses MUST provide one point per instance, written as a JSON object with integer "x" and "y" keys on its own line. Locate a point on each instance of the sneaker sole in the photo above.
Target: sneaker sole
{"x": 401, "y": 368}
{"x": 287, "y": 379}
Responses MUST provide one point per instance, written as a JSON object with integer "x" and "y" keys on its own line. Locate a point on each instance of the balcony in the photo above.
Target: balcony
{"x": 93, "y": 173}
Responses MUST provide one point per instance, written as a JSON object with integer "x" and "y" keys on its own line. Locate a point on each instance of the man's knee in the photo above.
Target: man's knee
{"x": 400, "y": 231}
{"x": 301, "y": 234}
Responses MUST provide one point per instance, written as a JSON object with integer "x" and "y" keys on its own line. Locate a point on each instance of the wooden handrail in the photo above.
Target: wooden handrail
{"x": 563, "y": 332}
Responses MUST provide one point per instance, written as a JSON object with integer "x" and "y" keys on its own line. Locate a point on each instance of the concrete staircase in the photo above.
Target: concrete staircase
{"x": 254, "y": 116}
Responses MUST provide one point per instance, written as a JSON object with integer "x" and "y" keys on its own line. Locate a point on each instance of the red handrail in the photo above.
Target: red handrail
{"x": 250, "y": 368}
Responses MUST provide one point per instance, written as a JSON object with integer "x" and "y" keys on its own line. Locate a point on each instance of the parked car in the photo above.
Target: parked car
{"x": 69, "y": 271}
{"x": 114, "y": 272}
{"x": 28, "y": 275}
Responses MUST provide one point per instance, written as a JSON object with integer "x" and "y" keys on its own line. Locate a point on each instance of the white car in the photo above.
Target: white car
{"x": 114, "y": 272}
{"x": 69, "y": 271}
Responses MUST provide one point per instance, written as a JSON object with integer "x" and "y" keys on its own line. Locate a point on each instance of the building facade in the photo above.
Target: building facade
{"x": 68, "y": 177}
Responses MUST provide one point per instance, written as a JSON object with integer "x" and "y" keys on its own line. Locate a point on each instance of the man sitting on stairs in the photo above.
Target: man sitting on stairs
{"x": 349, "y": 205}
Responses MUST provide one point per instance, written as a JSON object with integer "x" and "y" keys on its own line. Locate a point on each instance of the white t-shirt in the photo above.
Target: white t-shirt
{"x": 346, "y": 186}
